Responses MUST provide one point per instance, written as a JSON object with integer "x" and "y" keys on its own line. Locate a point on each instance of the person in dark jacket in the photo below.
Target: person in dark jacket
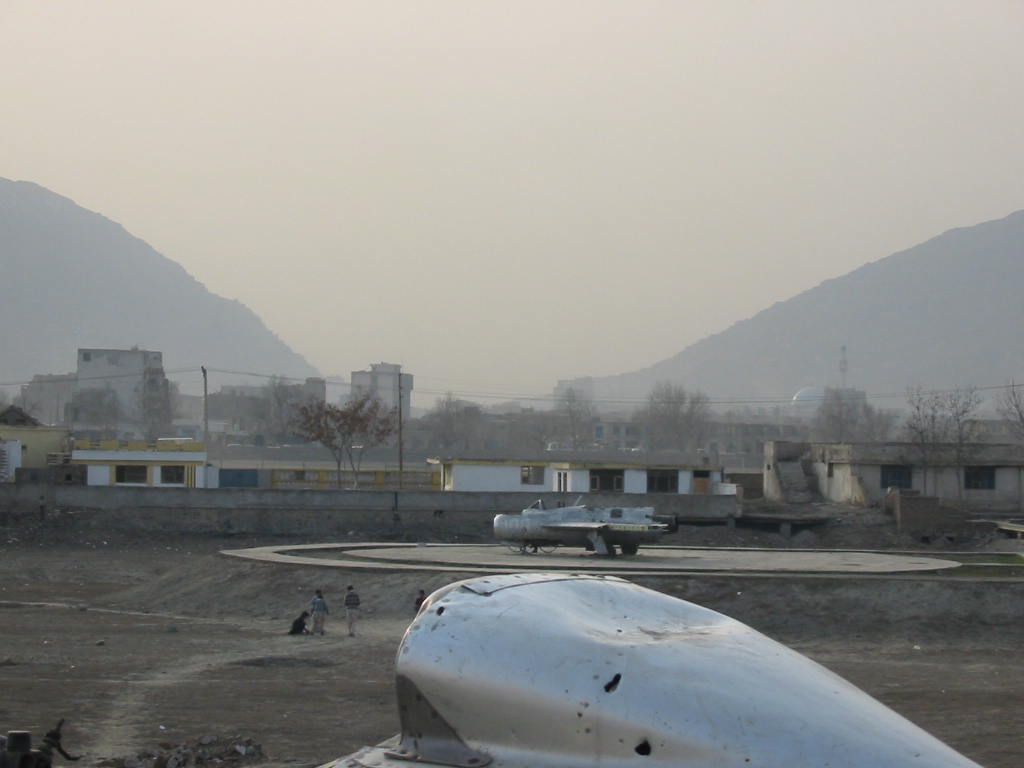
{"x": 299, "y": 625}
{"x": 351, "y": 609}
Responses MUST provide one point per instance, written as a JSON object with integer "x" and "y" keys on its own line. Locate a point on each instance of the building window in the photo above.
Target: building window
{"x": 980, "y": 478}
{"x": 896, "y": 476}
{"x": 172, "y": 475}
{"x": 616, "y": 513}
{"x": 662, "y": 481}
{"x": 531, "y": 475}
{"x": 563, "y": 481}
{"x": 606, "y": 480}
{"x": 130, "y": 473}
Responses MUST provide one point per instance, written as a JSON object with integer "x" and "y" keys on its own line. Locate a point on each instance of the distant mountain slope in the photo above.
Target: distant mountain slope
{"x": 71, "y": 278}
{"x": 944, "y": 313}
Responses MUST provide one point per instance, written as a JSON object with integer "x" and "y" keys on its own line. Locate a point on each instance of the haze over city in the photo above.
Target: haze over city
{"x": 497, "y": 196}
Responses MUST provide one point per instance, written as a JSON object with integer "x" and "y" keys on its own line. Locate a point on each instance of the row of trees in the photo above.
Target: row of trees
{"x": 846, "y": 416}
{"x": 940, "y": 425}
{"x": 671, "y": 419}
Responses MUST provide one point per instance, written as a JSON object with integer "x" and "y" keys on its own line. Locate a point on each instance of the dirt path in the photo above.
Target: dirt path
{"x": 167, "y": 642}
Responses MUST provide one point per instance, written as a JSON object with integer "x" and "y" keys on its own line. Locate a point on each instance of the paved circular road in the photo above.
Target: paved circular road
{"x": 495, "y": 558}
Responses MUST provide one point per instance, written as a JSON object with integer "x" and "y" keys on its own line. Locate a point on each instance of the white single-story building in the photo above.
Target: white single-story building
{"x": 863, "y": 473}
{"x": 581, "y": 475}
{"x": 164, "y": 464}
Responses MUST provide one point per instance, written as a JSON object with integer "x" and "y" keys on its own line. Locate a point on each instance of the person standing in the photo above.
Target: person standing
{"x": 351, "y": 609}
{"x": 318, "y": 609}
{"x": 420, "y": 597}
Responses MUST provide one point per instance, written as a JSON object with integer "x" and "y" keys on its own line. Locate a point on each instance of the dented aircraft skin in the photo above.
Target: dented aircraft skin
{"x": 552, "y": 670}
{"x": 598, "y": 529}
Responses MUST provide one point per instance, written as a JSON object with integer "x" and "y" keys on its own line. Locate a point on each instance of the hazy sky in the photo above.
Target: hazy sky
{"x": 498, "y": 195}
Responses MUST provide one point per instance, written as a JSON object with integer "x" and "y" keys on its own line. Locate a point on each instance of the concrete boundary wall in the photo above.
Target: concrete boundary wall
{"x": 405, "y": 515}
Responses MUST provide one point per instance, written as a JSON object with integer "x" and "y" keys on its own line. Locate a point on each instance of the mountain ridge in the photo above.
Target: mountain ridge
{"x": 65, "y": 267}
{"x": 938, "y": 314}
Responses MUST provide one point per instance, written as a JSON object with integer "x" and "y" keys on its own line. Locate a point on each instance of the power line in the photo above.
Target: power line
{"x": 741, "y": 400}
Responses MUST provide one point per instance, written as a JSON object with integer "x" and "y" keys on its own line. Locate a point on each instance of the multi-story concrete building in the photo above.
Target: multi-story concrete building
{"x": 48, "y": 396}
{"x": 119, "y": 387}
{"x": 387, "y": 383}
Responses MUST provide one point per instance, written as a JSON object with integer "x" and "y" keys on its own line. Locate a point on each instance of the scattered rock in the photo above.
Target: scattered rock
{"x": 207, "y": 751}
{"x": 101, "y": 642}
{"x": 283, "y": 661}
{"x": 805, "y": 539}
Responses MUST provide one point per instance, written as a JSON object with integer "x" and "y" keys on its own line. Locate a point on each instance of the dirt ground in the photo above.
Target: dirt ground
{"x": 143, "y": 642}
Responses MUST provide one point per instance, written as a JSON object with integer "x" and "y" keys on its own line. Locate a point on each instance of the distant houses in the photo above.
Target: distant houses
{"x": 25, "y": 443}
{"x": 975, "y": 474}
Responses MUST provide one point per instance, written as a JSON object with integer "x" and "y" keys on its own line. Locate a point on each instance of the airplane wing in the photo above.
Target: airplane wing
{"x": 607, "y": 527}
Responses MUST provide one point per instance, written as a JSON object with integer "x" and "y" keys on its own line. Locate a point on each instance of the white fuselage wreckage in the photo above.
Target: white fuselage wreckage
{"x": 571, "y": 671}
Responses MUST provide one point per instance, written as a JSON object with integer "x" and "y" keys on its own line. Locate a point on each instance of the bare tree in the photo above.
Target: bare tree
{"x": 960, "y": 405}
{"x": 673, "y": 418}
{"x": 942, "y": 420}
{"x": 155, "y": 406}
{"x": 1010, "y": 406}
{"x": 926, "y": 427}
{"x": 281, "y": 408}
{"x": 876, "y": 424}
{"x": 846, "y": 416}
{"x": 530, "y": 431}
{"x": 347, "y": 431}
{"x": 97, "y": 406}
{"x": 575, "y": 414}
{"x": 453, "y": 424}
{"x": 837, "y": 416}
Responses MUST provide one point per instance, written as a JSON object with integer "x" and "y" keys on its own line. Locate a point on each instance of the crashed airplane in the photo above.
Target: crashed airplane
{"x": 598, "y": 529}
{"x": 553, "y": 670}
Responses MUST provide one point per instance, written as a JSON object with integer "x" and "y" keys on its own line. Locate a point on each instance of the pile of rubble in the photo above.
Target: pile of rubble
{"x": 208, "y": 751}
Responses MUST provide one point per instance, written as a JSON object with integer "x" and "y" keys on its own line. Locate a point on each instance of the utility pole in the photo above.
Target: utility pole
{"x": 206, "y": 414}
{"x": 401, "y": 452}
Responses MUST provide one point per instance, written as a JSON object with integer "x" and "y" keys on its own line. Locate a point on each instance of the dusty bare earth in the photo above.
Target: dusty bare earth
{"x": 142, "y": 642}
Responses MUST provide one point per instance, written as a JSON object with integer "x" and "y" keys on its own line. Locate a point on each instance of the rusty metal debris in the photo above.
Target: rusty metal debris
{"x": 18, "y": 752}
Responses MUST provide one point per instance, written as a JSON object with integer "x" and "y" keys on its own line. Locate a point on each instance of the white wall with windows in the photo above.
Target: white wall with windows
{"x": 10, "y": 459}
{"x": 159, "y": 469}
{"x": 497, "y": 477}
{"x": 560, "y": 477}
